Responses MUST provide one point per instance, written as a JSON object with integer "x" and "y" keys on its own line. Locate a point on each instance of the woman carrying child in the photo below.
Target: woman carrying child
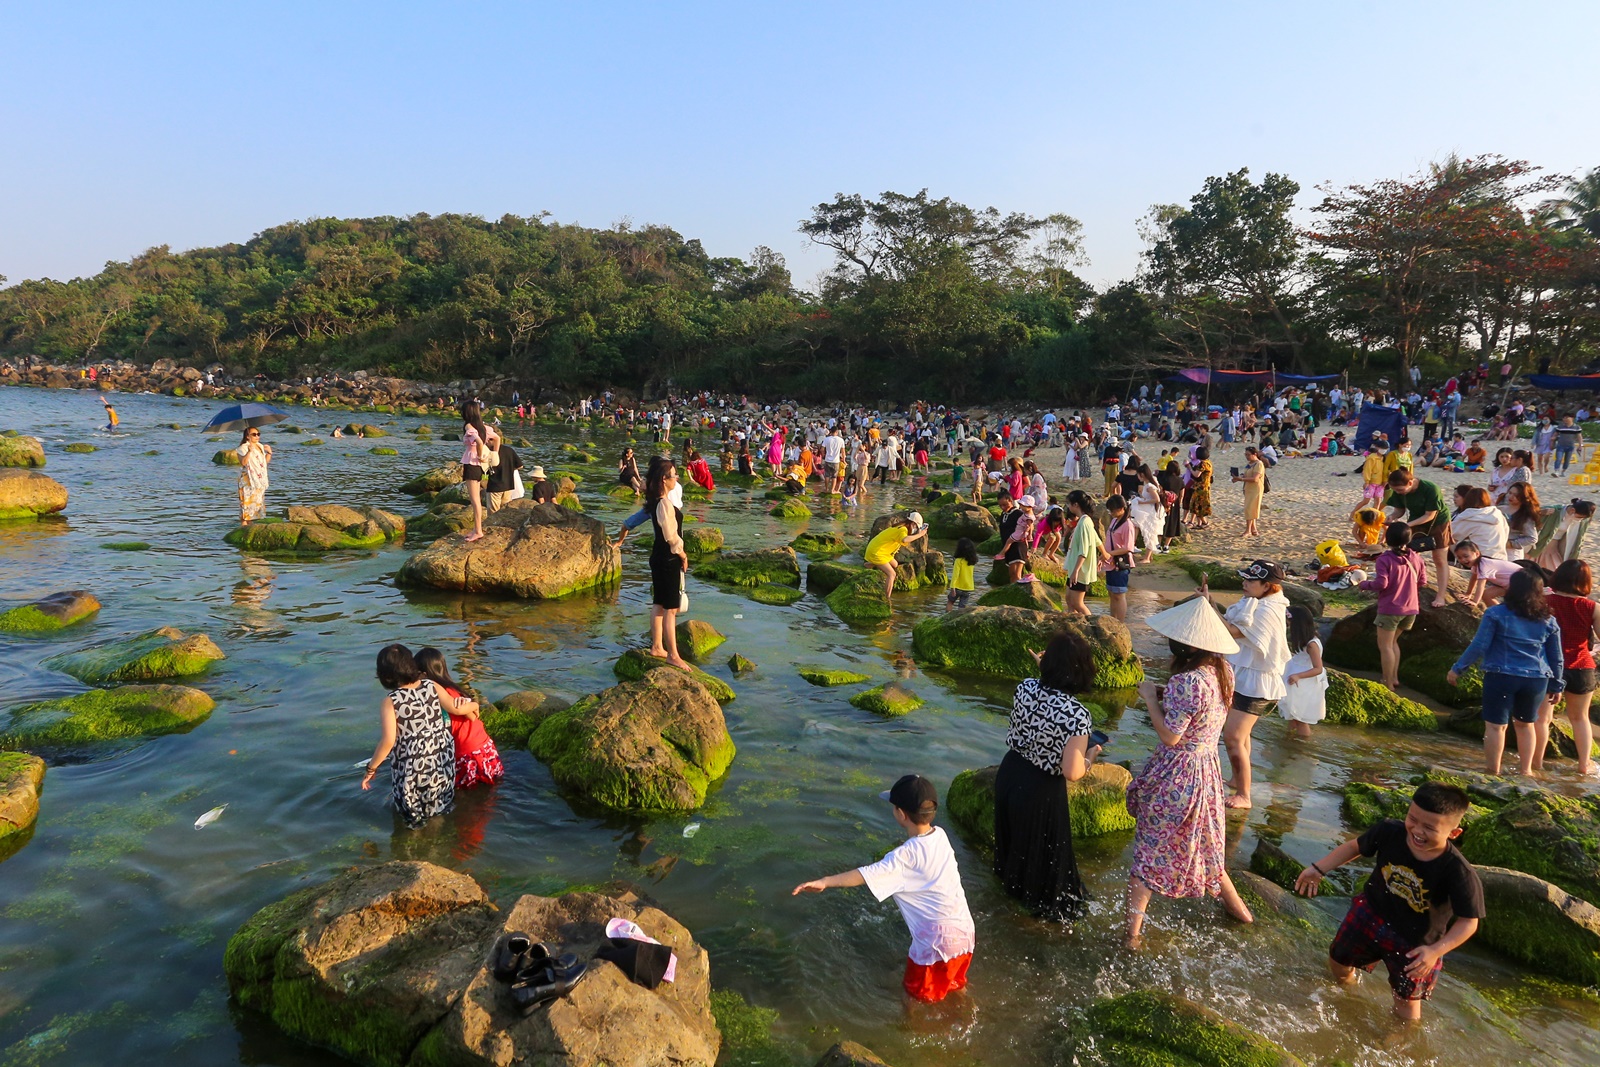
{"x": 477, "y": 760}
{"x": 1304, "y": 678}
{"x": 412, "y": 717}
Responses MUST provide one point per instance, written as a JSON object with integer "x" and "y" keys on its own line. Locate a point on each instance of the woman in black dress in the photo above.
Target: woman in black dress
{"x": 628, "y": 471}
{"x": 1049, "y": 747}
{"x": 1171, "y": 481}
{"x": 668, "y": 560}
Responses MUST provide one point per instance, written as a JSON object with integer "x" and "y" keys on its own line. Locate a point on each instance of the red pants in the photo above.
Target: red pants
{"x": 931, "y": 982}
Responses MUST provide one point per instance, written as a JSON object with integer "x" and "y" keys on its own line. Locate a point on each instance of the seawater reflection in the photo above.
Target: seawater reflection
{"x": 116, "y": 913}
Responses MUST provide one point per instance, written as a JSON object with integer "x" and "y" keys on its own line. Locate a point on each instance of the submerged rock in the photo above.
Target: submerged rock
{"x": 891, "y": 698}
{"x": 771, "y": 565}
{"x": 311, "y": 531}
{"x": 27, "y": 494}
{"x": 1098, "y": 803}
{"x": 538, "y": 551}
{"x": 823, "y": 577}
{"x": 739, "y": 665}
{"x": 697, "y": 639}
{"x": 652, "y": 745}
{"x": 1540, "y": 925}
{"x": 162, "y": 653}
{"x": 54, "y": 612}
{"x": 21, "y": 779}
{"x": 1359, "y": 702}
{"x": 850, "y": 1054}
{"x": 830, "y": 676}
{"x": 21, "y": 451}
{"x": 104, "y": 715}
{"x": 1547, "y": 835}
{"x": 1162, "y": 1030}
{"x": 388, "y": 965}
{"x": 1001, "y": 641}
{"x": 635, "y": 663}
{"x": 227, "y": 457}
{"x": 82, "y": 448}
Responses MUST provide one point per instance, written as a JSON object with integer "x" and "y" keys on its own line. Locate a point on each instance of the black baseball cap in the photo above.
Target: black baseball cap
{"x": 913, "y": 794}
{"x": 1262, "y": 570}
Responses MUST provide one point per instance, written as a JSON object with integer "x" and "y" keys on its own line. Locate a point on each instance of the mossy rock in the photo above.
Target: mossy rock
{"x": 739, "y": 665}
{"x": 863, "y": 600}
{"x": 634, "y": 664}
{"x": 1547, "y": 835}
{"x": 1359, "y": 702}
{"x": 1001, "y": 642}
{"x": 1097, "y": 802}
{"x": 1020, "y": 595}
{"x": 773, "y": 594}
{"x": 126, "y": 546}
{"x": 17, "y": 450}
{"x": 27, "y": 495}
{"x": 891, "y": 698}
{"x": 309, "y": 531}
{"x": 156, "y": 654}
{"x": 381, "y": 451}
{"x": 513, "y": 718}
{"x": 824, "y": 577}
{"x": 50, "y": 614}
{"x": 830, "y": 676}
{"x": 772, "y": 565}
{"x": 440, "y": 521}
{"x": 651, "y": 745}
{"x": 1219, "y": 574}
{"x": 570, "y": 501}
{"x": 21, "y": 779}
{"x": 313, "y": 441}
{"x": 960, "y": 519}
{"x": 1352, "y": 642}
{"x": 1149, "y": 1029}
{"x": 80, "y": 448}
{"x": 226, "y": 458}
{"x": 820, "y": 545}
{"x": 104, "y": 715}
{"x": 432, "y": 481}
{"x": 700, "y": 541}
{"x": 790, "y": 510}
{"x": 622, "y": 492}
{"x": 1365, "y": 804}
{"x": 1540, "y": 925}
{"x": 573, "y": 476}
{"x": 989, "y": 546}
{"x": 1425, "y": 672}
{"x": 697, "y": 639}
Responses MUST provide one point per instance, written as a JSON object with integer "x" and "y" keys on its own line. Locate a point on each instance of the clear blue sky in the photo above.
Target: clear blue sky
{"x": 132, "y": 125}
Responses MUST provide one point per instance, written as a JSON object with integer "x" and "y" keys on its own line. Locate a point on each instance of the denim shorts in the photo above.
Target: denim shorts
{"x": 1507, "y": 697}
{"x": 1117, "y": 581}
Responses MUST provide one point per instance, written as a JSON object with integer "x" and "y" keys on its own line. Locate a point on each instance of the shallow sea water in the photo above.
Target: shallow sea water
{"x": 114, "y": 916}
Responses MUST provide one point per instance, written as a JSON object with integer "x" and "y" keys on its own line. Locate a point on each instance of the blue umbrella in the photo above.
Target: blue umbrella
{"x": 240, "y": 416}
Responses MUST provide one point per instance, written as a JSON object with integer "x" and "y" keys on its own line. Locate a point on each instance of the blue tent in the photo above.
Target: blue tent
{"x": 1391, "y": 422}
{"x": 1570, "y": 381}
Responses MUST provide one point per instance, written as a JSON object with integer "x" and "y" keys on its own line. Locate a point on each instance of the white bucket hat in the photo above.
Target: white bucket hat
{"x": 1194, "y": 623}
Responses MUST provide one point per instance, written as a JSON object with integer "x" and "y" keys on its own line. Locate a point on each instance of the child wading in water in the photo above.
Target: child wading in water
{"x": 1306, "y": 681}
{"x": 477, "y": 760}
{"x": 961, "y": 581}
{"x": 1403, "y": 915}
{"x": 922, "y": 877}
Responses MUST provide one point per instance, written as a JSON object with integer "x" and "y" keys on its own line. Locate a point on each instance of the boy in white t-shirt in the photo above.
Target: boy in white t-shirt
{"x": 922, "y": 877}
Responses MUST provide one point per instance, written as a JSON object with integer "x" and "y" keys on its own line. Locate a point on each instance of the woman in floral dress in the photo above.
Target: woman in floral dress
{"x": 1200, "y": 488}
{"x": 253, "y": 459}
{"x": 415, "y": 729}
{"x": 1177, "y": 797}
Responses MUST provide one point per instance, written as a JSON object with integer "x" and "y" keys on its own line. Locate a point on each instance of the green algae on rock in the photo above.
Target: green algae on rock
{"x": 431, "y": 481}
{"x": 699, "y": 541}
{"x": 739, "y": 665}
{"x": 511, "y": 719}
{"x": 227, "y": 457}
{"x": 891, "y": 698}
{"x": 775, "y": 565}
{"x": 862, "y": 600}
{"x": 820, "y": 545}
{"x": 1544, "y": 834}
{"x": 830, "y": 676}
{"x": 311, "y": 531}
{"x": 104, "y": 715}
{"x": 126, "y": 546}
{"x": 1359, "y": 702}
{"x": 1218, "y": 574}
{"x": 26, "y": 495}
{"x": 1540, "y": 925}
{"x": 1033, "y": 595}
{"x": 1098, "y": 803}
{"x": 635, "y": 663}
{"x": 382, "y": 451}
{"x": 82, "y": 448}
{"x": 771, "y": 593}
{"x": 49, "y": 614}
{"x": 166, "y": 652}
{"x": 1150, "y": 1029}
{"x": 651, "y": 745}
{"x": 21, "y": 451}
{"x": 790, "y": 510}
{"x": 697, "y": 639}
{"x": 823, "y": 577}
{"x": 530, "y": 550}
{"x": 1001, "y": 641}
{"x": 21, "y": 779}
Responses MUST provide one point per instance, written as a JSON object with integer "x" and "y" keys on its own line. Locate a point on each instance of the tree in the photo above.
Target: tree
{"x": 896, "y": 235}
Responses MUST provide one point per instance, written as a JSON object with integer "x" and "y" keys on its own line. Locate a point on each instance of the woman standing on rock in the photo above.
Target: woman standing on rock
{"x": 1177, "y": 797}
{"x": 1048, "y": 748}
{"x": 416, "y": 732}
{"x": 253, "y": 459}
{"x": 474, "y": 449}
{"x": 668, "y": 560}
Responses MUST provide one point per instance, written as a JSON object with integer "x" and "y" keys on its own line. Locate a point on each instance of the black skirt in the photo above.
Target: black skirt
{"x": 1033, "y": 840}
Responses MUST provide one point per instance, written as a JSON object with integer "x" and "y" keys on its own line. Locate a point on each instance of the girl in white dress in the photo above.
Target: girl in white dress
{"x": 1148, "y": 513}
{"x": 1304, "y": 676}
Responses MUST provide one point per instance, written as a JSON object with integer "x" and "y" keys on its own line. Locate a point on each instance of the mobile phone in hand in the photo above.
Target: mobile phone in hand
{"x": 1233, "y": 472}
{"x": 1099, "y": 737}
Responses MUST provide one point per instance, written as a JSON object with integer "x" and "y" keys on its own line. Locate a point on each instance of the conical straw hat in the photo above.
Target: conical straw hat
{"x": 1194, "y": 623}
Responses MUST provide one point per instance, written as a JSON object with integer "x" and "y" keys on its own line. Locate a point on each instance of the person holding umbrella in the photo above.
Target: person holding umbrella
{"x": 253, "y": 455}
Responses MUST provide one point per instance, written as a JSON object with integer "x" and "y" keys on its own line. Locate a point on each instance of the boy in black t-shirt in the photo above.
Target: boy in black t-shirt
{"x": 1422, "y": 900}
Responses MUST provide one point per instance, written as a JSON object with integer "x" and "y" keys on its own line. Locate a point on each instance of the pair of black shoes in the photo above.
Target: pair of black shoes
{"x": 535, "y": 976}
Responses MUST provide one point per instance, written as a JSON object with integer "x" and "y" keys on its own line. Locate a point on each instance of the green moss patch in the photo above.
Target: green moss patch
{"x": 381, "y": 451}
{"x": 739, "y": 665}
{"x": 225, "y": 458}
{"x": 49, "y": 614}
{"x": 1098, "y": 803}
{"x": 779, "y": 595}
{"x": 1547, "y": 835}
{"x": 820, "y": 545}
{"x": 697, "y": 639}
{"x": 1148, "y": 1029}
{"x": 157, "y": 654}
{"x": 634, "y": 664}
{"x": 830, "y": 676}
{"x": 700, "y": 541}
{"x": 104, "y": 715}
{"x": 891, "y": 698}
{"x": 863, "y": 600}
{"x": 1001, "y": 642}
{"x": 777, "y": 566}
{"x": 1359, "y": 702}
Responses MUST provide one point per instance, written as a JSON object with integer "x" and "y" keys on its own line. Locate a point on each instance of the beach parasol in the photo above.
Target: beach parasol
{"x": 239, "y": 416}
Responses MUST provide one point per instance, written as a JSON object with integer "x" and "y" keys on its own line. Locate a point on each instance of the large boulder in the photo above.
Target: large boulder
{"x": 311, "y": 531}
{"x": 21, "y": 778}
{"x": 434, "y": 480}
{"x": 820, "y": 545}
{"x": 48, "y": 614}
{"x": 104, "y": 715}
{"x": 387, "y": 965}
{"x": 1359, "y": 702}
{"x": 862, "y": 600}
{"x": 162, "y": 653}
{"x": 1153, "y": 1029}
{"x": 1353, "y": 643}
{"x": 21, "y": 451}
{"x": 1001, "y": 641}
{"x": 776, "y": 566}
{"x": 962, "y": 519}
{"x": 27, "y": 494}
{"x": 1544, "y": 834}
{"x": 538, "y": 551}
{"x": 635, "y": 663}
{"x": 1098, "y": 803}
{"x": 1540, "y": 925}
{"x": 652, "y": 745}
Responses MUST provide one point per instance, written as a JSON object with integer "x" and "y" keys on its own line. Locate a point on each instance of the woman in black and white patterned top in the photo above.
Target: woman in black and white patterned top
{"x": 1049, "y": 747}
{"x": 417, "y": 731}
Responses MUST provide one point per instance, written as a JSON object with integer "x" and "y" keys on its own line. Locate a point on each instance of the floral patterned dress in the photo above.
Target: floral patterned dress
{"x": 422, "y": 768}
{"x": 477, "y": 759}
{"x": 252, "y": 481}
{"x": 1177, "y": 797}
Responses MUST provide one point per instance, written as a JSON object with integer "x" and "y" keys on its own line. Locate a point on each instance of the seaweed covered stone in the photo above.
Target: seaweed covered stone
{"x": 790, "y": 510}
{"x": 820, "y": 545}
{"x": 99, "y": 715}
{"x": 635, "y": 663}
{"x": 1540, "y": 925}
{"x": 776, "y": 566}
{"x": 699, "y": 541}
{"x": 226, "y": 457}
{"x": 772, "y": 593}
{"x": 312, "y": 531}
{"x": 697, "y": 639}
{"x": 1033, "y": 595}
{"x": 432, "y": 481}
{"x": 829, "y": 676}
{"x": 1427, "y": 650}
{"x": 823, "y": 576}
{"x": 1550, "y": 836}
{"x": 1153, "y": 1029}
{"x": 49, "y": 614}
{"x": 891, "y": 699}
{"x": 166, "y": 652}
{"x": 1001, "y": 641}
{"x": 1358, "y": 702}
{"x": 651, "y": 745}
{"x": 1217, "y": 573}
{"x": 529, "y": 550}
{"x": 511, "y": 719}
{"x": 862, "y": 600}
{"x": 21, "y": 451}
{"x": 21, "y": 779}
{"x": 951, "y": 522}
{"x": 1097, "y": 802}
{"x": 26, "y": 494}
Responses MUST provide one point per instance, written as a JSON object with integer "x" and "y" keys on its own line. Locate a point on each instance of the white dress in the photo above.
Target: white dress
{"x": 1306, "y": 700}
{"x": 1148, "y": 514}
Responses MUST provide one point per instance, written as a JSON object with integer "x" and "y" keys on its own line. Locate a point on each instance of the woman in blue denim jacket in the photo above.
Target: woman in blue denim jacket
{"x": 1519, "y": 642}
